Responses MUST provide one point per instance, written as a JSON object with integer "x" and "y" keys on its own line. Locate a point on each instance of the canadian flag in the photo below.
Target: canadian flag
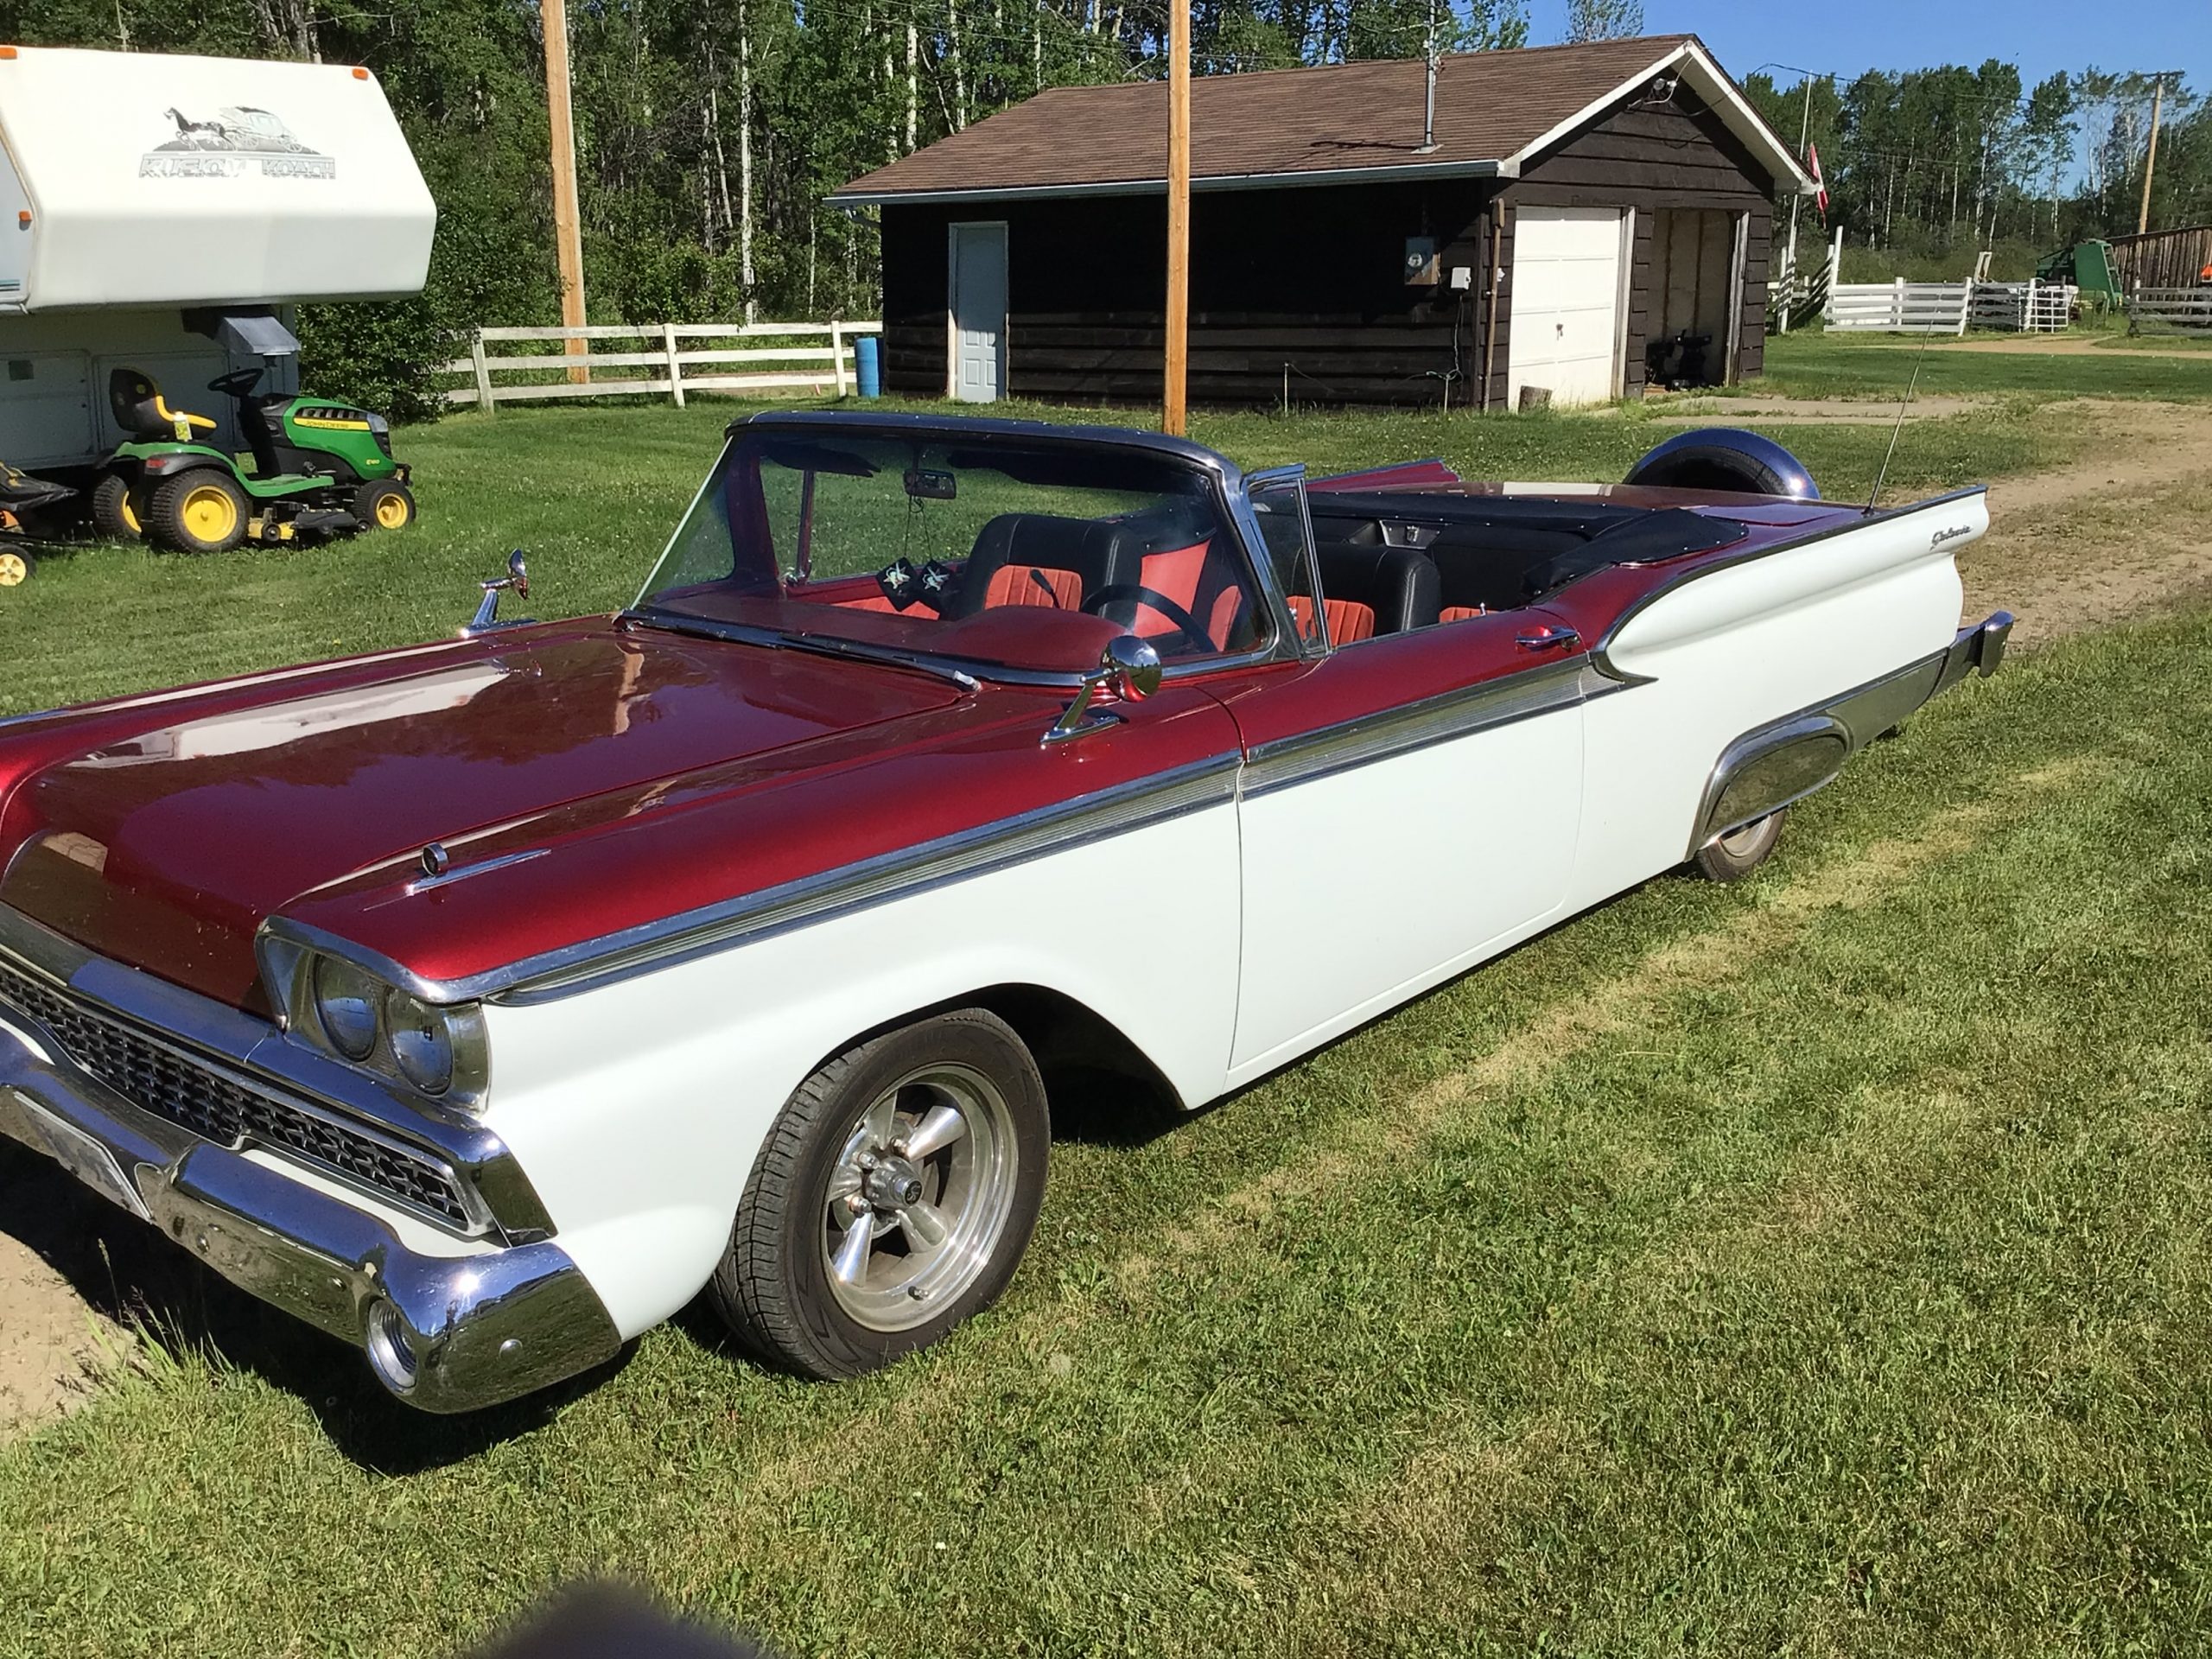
{"x": 1813, "y": 160}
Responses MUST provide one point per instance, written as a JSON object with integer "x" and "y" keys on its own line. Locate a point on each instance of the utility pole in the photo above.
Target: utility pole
{"x": 567, "y": 236}
{"x": 1179, "y": 216}
{"x": 2151, "y": 161}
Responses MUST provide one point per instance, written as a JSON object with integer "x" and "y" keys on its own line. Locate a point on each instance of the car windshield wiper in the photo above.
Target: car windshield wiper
{"x": 820, "y": 645}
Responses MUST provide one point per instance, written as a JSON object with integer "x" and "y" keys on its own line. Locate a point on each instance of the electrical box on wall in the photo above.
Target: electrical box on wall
{"x": 1422, "y": 270}
{"x": 1463, "y": 277}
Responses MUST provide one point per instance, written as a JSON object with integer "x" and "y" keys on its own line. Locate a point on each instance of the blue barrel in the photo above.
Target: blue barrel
{"x": 868, "y": 360}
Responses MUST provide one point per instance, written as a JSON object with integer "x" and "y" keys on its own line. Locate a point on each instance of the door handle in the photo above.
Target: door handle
{"x": 1544, "y": 637}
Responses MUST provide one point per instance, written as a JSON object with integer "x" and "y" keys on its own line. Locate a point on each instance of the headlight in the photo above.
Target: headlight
{"x": 422, "y": 1042}
{"x": 345, "y": 1000}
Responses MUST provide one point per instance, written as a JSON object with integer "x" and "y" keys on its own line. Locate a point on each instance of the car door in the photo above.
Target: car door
{"x": 1409, "y": 805}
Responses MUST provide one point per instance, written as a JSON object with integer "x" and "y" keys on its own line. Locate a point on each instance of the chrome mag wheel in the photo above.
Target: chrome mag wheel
{"x": 919, "y": 1197}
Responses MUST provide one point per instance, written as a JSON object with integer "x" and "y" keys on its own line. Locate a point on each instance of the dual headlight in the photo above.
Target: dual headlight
{"x": 436, "y": 1050}
{"x": 365, "y": 1019}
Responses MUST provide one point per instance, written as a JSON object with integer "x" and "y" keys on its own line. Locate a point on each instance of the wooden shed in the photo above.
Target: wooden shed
{"x": 1578, "y": 219}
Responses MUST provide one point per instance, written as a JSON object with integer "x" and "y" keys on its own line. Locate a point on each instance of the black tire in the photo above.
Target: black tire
{"x": 388, "y": 505}
{"x": 187, "y": 513}
{"x": 115, "y": 515}
{"x": 774, "y": 1286}
{"x": 1737, "y": 855}
{"x": 15, "y": 564}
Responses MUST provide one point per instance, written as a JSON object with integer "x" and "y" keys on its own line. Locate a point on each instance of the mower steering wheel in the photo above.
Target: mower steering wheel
{"x": 1118, "y": 591}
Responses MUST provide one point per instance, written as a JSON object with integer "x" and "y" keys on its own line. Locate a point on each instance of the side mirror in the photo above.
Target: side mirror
{"x": 1128, "y": 670}
{"x": 488, "y": 608}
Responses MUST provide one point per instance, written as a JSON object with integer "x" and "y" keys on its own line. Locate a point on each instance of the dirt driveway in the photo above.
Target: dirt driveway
{"x": 2068, "y": 550}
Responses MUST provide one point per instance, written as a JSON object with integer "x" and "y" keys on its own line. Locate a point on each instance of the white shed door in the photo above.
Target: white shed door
{"x": 978, "y": 255}
{"x": 1566, "y": 298}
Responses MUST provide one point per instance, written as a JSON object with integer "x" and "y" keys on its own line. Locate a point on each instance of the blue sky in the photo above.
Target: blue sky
{"x": 2040, "y": 35}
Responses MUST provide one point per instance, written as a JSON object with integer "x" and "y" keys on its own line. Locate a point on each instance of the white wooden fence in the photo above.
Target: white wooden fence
{"x": 2171, "y": 308}
{"x": 780, "y": 356}
{"x": 1903, "y": 307}
{"x": 1900, "y": 307}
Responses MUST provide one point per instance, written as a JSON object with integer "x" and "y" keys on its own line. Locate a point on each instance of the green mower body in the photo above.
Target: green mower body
{"x": 314, "y": 468}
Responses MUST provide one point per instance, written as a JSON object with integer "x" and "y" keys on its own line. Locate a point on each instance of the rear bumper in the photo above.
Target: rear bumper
{"x": 446, "y": 1333}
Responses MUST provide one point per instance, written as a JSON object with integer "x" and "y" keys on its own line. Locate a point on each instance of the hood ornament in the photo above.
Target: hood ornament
{"x": 488, "y": 608}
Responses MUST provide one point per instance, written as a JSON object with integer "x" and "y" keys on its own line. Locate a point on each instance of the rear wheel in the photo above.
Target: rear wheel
{"x": 387, "y": 506}
{"x": 15, "y": 567}
{"x": 115, "y": 515}
{"x": 199, "y": 511}
{"x": 1740, "y": 852}
{"x": 893, "y": 1198}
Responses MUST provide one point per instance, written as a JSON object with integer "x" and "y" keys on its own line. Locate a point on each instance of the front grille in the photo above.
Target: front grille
{"x": 210, "y": 1105}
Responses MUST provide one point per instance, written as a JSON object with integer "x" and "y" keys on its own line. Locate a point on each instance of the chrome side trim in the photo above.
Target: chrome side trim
{"x": 1539, "y": 689}
{"x": 252, "y": 1054}
{"x": 683, "y": 938}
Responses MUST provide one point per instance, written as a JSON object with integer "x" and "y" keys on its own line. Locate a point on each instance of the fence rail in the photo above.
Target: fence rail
{"x": 2172, "y": 307}
{"x": 786, "y": 364}
{"x": 1903, "y": 307}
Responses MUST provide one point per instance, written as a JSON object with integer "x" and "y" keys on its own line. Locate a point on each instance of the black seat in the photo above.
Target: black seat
{"x": 1037, "y": 558}
{"x": 136, "y": 402}
{"x": 1369, "y": 591}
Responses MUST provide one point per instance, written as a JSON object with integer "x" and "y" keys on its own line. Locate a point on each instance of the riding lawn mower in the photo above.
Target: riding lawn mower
{"x": 319, "y": 468}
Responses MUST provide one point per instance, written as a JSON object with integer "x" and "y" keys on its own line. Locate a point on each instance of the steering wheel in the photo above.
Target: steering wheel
{"x": 1152, "y": 599}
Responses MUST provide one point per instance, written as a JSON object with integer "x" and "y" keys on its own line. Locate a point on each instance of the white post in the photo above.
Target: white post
{"x": 1966, "y": 307}
{"x": 483, "y": 371}
{"x": 1896, "y": 307}
{"x": 1835, "y": 260}
{"x": 837, "y": 353}
{"x": 675, "y": 369}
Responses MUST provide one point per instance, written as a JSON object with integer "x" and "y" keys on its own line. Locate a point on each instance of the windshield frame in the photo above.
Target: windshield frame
{"x": 1223, "y": 481}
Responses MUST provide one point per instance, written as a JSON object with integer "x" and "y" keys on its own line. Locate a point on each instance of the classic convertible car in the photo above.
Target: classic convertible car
{"x": 486, "y": 1001}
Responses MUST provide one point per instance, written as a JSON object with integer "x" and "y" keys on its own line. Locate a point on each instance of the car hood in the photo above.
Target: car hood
{"x": 162, "y": 834}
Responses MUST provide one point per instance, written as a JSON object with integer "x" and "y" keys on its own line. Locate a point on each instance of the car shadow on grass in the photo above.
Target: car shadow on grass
{"x": 130, "y": 1274}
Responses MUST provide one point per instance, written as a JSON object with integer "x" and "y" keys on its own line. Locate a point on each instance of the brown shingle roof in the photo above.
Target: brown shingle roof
{"x": 1491, "y": 107}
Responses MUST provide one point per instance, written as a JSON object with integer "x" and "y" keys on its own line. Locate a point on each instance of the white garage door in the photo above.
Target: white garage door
{"x": 1566, "y": 297}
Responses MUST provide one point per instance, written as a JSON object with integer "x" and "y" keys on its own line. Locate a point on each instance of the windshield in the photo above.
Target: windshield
{"x": 988, "y": 550}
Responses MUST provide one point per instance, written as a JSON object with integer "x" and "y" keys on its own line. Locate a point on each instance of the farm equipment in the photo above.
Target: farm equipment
{"x": 319, "y": 468}
{"x": 21, "y": 497}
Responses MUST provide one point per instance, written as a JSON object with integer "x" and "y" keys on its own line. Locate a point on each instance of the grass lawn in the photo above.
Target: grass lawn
{"x": 1811, "y": 363}
{"x": 592, "y": 492}
{"x": 1818, "y": 1264}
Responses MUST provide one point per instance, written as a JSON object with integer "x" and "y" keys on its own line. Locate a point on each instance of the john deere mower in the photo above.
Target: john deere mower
{"x": 319, "y": 468}
{"x": 21, "y": 497}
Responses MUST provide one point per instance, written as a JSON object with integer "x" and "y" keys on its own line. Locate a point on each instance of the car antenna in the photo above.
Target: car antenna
{"x": 1883, "y": 471}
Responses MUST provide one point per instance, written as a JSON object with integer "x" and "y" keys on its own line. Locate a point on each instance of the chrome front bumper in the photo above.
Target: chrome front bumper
{"x": 446, "y": 1333}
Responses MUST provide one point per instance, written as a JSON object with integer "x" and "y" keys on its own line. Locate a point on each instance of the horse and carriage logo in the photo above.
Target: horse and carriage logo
{"x": 238, "y": 142}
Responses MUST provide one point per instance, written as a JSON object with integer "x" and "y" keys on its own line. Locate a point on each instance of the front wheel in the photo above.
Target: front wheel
{"x": 199, "y": 511}
{"x": 893, "y": 1198}
{"x": 15, "y": 566}
{"x": 386, "y": 506}
{"x": 1740, "y": 852}
{"x": 115, "y": 515}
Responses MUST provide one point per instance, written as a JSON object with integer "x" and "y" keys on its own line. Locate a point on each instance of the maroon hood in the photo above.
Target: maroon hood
{"x": 163, "y": 833}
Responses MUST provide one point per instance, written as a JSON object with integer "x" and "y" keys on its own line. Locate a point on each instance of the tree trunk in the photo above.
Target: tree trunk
{"x": 745, "y": 274}
{"x": 913, "y": 87}
{"x": 959, "y": 68}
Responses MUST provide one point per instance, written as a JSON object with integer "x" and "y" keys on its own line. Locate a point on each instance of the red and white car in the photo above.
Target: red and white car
{"x": 483, "y": 1002}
